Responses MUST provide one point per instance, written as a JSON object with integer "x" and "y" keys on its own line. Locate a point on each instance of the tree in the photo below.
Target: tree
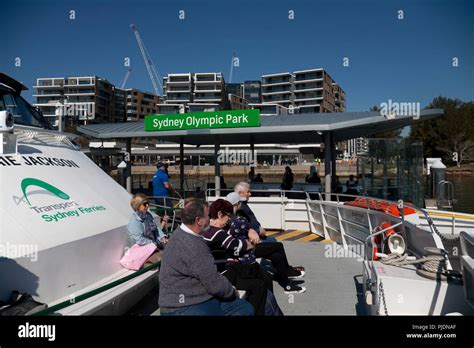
{"x": 452, "y": 133}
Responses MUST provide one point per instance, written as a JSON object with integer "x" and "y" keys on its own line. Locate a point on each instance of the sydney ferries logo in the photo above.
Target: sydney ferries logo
{"x": 63, "y": 209}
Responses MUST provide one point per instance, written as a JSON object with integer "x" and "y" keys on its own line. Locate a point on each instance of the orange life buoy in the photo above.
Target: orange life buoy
{"x": 380, "y": 238}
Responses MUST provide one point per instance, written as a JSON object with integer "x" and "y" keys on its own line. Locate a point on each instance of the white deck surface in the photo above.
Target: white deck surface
{"x": 333, "y": 285}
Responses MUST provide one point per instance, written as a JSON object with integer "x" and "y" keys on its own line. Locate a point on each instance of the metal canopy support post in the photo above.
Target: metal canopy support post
{"x": 128, "y": 171}
{"x": 217, "y": 167}
{"x": 181, "y": 166}
{"x": 327, "y": 163}
{"x": 385, "y": 179}
{"x": 253, "y": 161}
{"x": 333, "y": 157}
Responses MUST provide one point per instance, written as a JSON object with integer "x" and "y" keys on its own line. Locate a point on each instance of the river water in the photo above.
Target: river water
{"x": 463, "y": 188}
{"x": 463, "y": 192}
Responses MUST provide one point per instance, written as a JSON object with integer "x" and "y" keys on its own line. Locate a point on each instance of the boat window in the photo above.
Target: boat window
{"x": 23, "y": 113}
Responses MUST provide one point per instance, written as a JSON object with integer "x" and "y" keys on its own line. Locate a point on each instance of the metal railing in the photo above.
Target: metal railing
{"x": 171, "y": 207}
{"x": 344, "y": 223}
{"x": 445, "y": 199}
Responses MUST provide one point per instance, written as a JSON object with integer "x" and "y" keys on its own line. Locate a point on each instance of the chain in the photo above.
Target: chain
{"x": 382, "y": 296}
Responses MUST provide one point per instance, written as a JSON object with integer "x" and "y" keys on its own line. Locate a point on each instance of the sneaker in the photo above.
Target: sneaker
{"x": 294, "y": 274}
{"x": 293, "y": 289}
{"x": 299, "y": 268}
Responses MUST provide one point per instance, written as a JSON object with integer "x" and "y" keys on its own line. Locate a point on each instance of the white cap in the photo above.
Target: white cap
{"x": 234, "y": 198}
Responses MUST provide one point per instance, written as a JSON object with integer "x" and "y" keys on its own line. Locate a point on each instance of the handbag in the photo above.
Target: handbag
{"x": 271, "y": 305}
{"x": 136, "y": 256}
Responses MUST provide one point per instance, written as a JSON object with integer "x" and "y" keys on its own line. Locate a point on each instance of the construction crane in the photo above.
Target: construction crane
{"x": 231, "y": 67}
{"x": 124, "y": 81}
{"x": 154, "y": 76}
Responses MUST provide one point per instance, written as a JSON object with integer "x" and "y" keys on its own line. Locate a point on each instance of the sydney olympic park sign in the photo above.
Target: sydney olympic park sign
{"x": 199, "y": 120}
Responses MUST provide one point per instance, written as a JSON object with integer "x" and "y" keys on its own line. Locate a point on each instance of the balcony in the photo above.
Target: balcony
{"x": 80, "y": 83}
{"x": 47, "y": 86}
{"x": 174, "y": 89}
{"x": 305, "y": 76}
{"x": 276, "y": 81}
{"x": 272, "y": 92}
{"x": 178, "y": 79}
{"x": 308, "y": 86}
{"x": 54, "y": 95}
{"x": 269, "y": 99}
{"x": 207, "y": 98}
{"x": 317, "y": 93}
{"x": 178, "y": 98}
{"x": 206, "y": 78}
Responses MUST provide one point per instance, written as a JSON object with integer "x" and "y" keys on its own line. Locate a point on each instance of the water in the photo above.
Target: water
{"x": 463, "y": 192}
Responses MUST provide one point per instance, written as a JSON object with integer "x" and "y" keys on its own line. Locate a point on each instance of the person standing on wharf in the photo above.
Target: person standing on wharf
{"x": 161, "y": 186}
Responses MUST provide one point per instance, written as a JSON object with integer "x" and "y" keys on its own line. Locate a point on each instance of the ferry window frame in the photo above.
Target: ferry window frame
{"x": 22, "y": 105}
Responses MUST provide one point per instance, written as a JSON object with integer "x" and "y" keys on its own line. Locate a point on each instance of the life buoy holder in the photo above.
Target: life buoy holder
{"x": 379, "y": 205}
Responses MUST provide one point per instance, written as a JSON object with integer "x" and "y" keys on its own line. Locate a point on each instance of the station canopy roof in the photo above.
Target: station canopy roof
{"x": 283, "y": 129}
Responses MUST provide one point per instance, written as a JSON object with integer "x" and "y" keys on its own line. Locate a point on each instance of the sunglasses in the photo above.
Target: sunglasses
{"x": 146, "y": 203}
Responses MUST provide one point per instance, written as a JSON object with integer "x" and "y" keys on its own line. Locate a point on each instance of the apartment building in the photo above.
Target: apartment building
{"x": 304, "y": 91}
{"x": 339, "y": 98}
{"x": 140, "y": 104}
{"x": 252, "y": 91}
{"x": 208, "y": 88}
{"x": 236, "y": 102}
{"x": 193, "y": 92}
{"x": 269, "y": 109}
{"x": 80, "y": 99}
{"x": 234, "y": 88}
{"x": 278, "y": 88}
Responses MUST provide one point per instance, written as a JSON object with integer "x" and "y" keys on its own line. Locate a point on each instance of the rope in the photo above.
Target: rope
{"x": 452, "y": 240}
{"x": 430, "y": 263}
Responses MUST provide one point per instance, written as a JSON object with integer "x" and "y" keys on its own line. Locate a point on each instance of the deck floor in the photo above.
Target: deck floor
{"x": 295, "y": 235}
{"x": 334, "y": 285}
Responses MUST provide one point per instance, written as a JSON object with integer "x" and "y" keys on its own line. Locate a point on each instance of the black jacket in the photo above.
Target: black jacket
{"x": 247, "y": 213}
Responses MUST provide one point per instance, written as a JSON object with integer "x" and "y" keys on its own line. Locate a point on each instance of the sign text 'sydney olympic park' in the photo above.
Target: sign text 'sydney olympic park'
{"x": 196, "y": 120}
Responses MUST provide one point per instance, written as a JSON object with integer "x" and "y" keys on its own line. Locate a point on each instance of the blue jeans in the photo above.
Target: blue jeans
{"x": 215, "y": 307}
{"x": 269, "y": 240}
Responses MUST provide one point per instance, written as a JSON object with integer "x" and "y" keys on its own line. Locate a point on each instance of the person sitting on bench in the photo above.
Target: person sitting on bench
{"x": 189, "y": 281}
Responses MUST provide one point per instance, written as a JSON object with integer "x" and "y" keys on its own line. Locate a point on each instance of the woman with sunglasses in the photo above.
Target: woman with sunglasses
{"x": 142, "y": 228}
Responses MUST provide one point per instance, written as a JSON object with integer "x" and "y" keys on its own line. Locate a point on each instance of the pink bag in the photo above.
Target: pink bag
{"x": 136, "y": 256}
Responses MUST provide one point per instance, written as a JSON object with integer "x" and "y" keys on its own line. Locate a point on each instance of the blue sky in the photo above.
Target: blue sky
{"x": 403, "y": 60}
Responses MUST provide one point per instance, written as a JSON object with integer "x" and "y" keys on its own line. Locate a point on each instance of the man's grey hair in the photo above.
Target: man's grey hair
{"x": 241, "y": 186}
{"x": 193, "y": 209}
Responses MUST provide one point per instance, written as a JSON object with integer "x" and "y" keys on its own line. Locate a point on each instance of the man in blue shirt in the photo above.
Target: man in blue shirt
{"x": 161, "y": 185}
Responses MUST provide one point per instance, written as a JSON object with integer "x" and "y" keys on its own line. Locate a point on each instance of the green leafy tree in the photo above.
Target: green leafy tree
{"x": 451, "y": 134}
